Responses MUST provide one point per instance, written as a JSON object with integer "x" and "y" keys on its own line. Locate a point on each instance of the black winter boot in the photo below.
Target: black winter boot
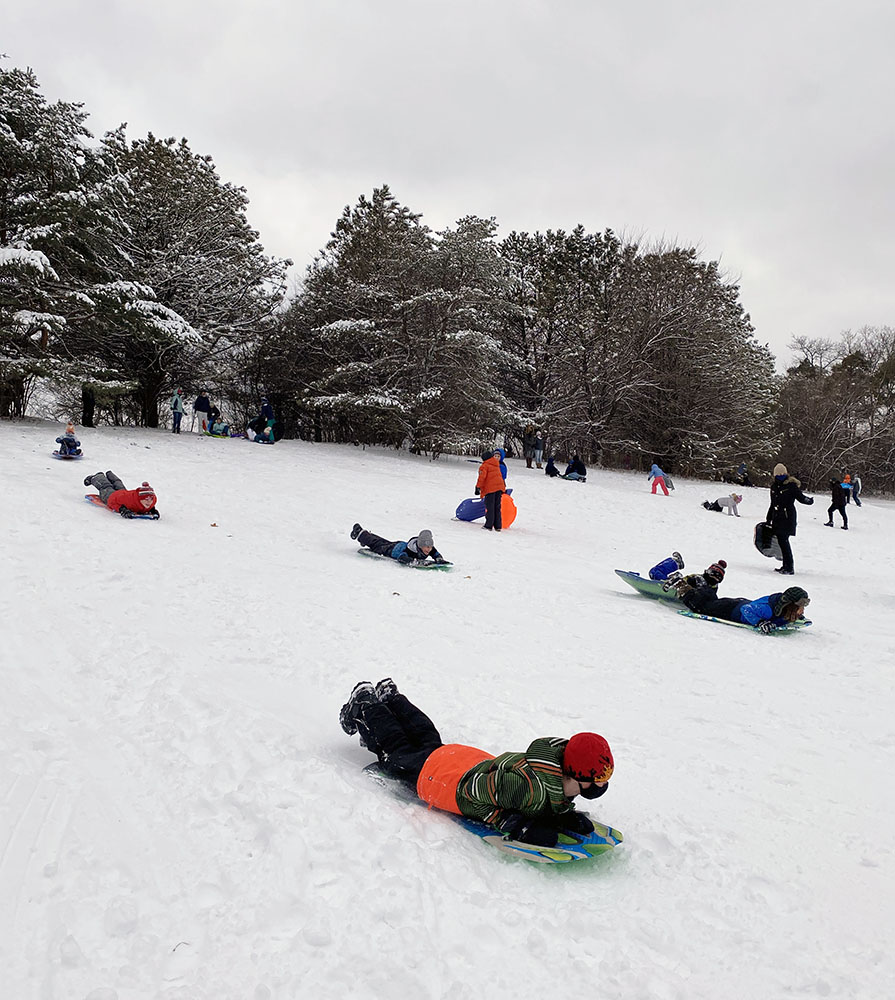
{"x": 356, "y": 530}
{"x": 363, "y": 694}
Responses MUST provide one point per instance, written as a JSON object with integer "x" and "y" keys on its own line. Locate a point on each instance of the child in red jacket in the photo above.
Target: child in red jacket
{"x": 117, "y": 497}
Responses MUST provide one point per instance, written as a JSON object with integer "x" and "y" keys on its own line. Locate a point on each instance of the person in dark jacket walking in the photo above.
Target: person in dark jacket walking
{"x": 839, "y": 496}
{"x": 781, "y": 516}
{"x": 202, "y": 410}
{"x": 526, "y": 796}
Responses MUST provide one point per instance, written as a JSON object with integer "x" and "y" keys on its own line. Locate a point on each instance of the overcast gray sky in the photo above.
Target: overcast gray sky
{"x": 760, "y": 131}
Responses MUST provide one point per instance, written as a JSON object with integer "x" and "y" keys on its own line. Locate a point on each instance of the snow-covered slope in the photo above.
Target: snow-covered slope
{"x": 182, "y": 817}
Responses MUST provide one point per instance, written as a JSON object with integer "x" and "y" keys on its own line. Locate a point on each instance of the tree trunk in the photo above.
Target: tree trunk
{"x": 88, "y": 406}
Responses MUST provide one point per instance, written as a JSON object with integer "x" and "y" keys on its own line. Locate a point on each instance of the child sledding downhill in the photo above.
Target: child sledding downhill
{"x": 780, "y": 610}
{"x": 526, "y": 796}
{"x": 415, "y": 551}
{"x": 69, "y": 446}
{"x": 115, "y": 495}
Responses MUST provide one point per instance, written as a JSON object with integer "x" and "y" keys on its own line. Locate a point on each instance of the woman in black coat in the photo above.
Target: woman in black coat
{"x": 781, "y": 516}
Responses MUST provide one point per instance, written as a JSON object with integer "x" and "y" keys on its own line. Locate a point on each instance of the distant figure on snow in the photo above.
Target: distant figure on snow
{"x": 116, "y": 496}
{"x": 856, "y": 489}
{"x": 526, "y": 796}
{"x": 728, "y": 503}
{"x": 490, "y": 487}
{"x": 416, "y": 550}
{"x": 219, "y": 427}
{"x": 766, "y": 613}
{"x": 540, "y": 443}
{"x": 264, "y": 436}
{"x": 839, "y": 496}
{"x": 742, "y": 475}
{"x": 68, "y": 443}
{"x": 529, "y": 436}
{"x": 847, "y": 486}
{"x": 177, "y": 410}
{"x": 658, "y": 478}
{"x": 202, "y": 410}
{"x": 550, "y": 469}
{"x": 576, "y": 470}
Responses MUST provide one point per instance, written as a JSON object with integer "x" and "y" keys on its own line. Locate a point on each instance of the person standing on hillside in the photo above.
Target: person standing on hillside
{"x": 202, "y": 411}
{"x": 856, "y": 490}
{"x": 528, "y": 444}
{"x": 540, "y": 444}
{"x": 490, "y": 486}
{"x": 781, "y": 516}
{"x": 525, "y": 796}
{"x": 177, "y": 410}
{"x": 839, "y": 496}
{"x": 658, "y": 478}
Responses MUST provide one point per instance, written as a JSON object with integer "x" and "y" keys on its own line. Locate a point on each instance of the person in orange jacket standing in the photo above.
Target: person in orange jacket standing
{"x": 490, "y": 486}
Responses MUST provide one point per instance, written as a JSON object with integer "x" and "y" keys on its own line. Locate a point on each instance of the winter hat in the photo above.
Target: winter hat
{"x": 70, "y": 429}
{"x": 792, "y": 595}
{"x": 425, "y": 538}
{"x": 146, "y": 495}
{"x": 780, "y": 470}
{"x": 486, "y": 455}
{"x": 587, "y": 757}
{"x": 716, "y": 570}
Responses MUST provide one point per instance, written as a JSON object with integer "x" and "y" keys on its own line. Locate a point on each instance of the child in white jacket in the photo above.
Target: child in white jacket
{"x": 729, "y": 503}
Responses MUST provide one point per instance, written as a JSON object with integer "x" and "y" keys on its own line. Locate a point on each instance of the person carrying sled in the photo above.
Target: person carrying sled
{"x": 839, "y": 496}
{"x": 781, "y": 516}
{"x": 576, "y": 470}
{"x": 68, "y": 443}
{"x": 765, "y": 613}
{"x": 202, "y": 410}
{"x": 658, "y": 478}
{"x": 728, "y": 503}
{"x": 490, "y": 486}
{"x": 177, "y": 410}
{"x": 116, "y": 496}
{"x": 525, "y": 796}
{"x": 415, "y": 550}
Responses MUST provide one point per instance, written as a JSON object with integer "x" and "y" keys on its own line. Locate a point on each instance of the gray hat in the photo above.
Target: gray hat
{"x": 425, "y": 538}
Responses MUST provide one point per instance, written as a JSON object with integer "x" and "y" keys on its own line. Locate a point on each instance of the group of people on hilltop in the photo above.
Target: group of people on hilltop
{"x": 534, "y": 444}
{"x": 209, "y": 419}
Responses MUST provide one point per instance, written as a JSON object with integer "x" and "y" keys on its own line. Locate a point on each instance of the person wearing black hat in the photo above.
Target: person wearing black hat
{"x": 202, "y": 410}
{"x": 765, "y": 613}
{"x": 526, "y": 796}
{"x": 415, "y": 550}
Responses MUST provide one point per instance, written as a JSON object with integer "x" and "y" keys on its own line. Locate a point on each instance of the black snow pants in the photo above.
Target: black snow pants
{"x": 381, "y": 546}
{"x": 841, "y": 508}
{"x": 703, "y": 603}
{"x": 401, "y": 735}
{"x": 493, "y": 513}
{"x": 106, "y": 483}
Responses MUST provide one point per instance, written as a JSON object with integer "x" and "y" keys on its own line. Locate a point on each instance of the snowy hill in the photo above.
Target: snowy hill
{"x": 182, "y": 817}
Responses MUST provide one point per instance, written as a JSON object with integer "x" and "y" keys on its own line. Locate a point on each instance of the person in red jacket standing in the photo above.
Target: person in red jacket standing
{"x": 117, "y": 497}
{"x": 490, "y": 487}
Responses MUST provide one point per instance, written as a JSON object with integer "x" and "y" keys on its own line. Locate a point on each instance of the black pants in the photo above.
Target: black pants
{"x": 106, "y": 483}
{"x": 785, "y": 550}
{"x": 493, "y": 512}
{"x": 718, "y": 607}
{"x": 841, "y": 508}
{"x": 381, "y": 546}
{"x": 401, "y": 735}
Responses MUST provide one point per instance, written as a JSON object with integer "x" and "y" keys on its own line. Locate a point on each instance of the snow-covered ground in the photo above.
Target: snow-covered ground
{"x": 182, "y": 817}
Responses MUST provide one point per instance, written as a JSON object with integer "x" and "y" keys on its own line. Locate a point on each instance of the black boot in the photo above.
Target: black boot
{"x": 363, "y": 694}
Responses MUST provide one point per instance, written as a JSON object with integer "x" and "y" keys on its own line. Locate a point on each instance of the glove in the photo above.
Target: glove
{"x": 516, "y": 826}
{"x": 766, "y": 628}
{"x": 576, "y": 822}
{"x": 441, "y": 561}
{"x": 124, "y": 512}
{"x": 477, "y": 491}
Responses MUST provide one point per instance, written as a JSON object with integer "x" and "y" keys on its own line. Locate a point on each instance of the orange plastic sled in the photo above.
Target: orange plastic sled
{"x": 507, "y": 510}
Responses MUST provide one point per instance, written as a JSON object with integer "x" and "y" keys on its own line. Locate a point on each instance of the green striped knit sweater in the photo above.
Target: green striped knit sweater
{"x": 529, "y": 783}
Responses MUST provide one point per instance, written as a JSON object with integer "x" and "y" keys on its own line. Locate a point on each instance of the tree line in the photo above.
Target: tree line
{"x": 128, "y": 268}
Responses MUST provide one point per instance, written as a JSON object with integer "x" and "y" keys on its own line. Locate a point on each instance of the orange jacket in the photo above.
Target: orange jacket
{"x": 490, "y": 480}
{"x": 441, "y": 774}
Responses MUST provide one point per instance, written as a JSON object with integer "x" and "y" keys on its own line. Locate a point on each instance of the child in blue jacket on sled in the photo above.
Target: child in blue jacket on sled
{"x": 765, "y": 613}
{"x": 68, "y": 445}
